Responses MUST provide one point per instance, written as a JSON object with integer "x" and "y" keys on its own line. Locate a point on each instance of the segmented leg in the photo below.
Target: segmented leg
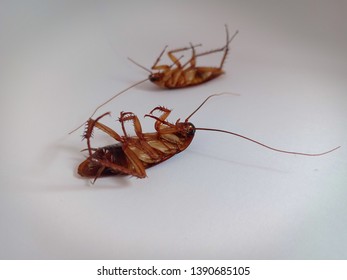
{"x": 138, "y": 168}
{"x": 224, "y": 48}
{"x": 161, "y": 119}
{"x": 192, "y": 60}
{"x": 142, "y": 143}
{"x": 90, "y": 128}
{"x": 176, "y": 61}
{"x": 98, "y": 173}
{"x": 159, "y": 57}
{"x": 129, "y": 116}
{"x": 173, "y": 58}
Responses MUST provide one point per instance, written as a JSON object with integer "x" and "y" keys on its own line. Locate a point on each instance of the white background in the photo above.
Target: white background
{"x": 223, "y": 198}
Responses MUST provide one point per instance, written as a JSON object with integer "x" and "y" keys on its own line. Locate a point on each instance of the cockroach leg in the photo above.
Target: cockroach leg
{"x": 175, "y": 60}
{"x": 122, "y": 119}
{"x": 88, "y": 133}
{"x": 98, "y": 173}
{"x": 95, "y": 123}
{"x": 224, "y": 48}
{"x": 143, "y": 144}
{"x": 109, "y": 131}
{"x": 162, "y": 118}
{"x": 172, "y": 57}
{"x": 159, "y": 57}
{"x": 192, "y": 60}
{"x": 138, "y": 171}
{"x": 128, "y": 116}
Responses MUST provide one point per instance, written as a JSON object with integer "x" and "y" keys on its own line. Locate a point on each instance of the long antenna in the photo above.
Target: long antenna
{"x": 266, "y": 146}
{"x": 202, "y": 104}
{"x": 247, "y": 138}
{"x": 109, "y": 100}
{"x": 139, "y": 65}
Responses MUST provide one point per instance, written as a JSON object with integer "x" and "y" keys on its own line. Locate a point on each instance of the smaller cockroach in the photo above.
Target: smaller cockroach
{"x": 176, "y": 75}
{"x": 133, "y": 154}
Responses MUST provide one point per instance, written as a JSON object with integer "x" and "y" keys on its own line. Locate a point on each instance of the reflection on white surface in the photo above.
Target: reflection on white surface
{"x": 223, "y": 198}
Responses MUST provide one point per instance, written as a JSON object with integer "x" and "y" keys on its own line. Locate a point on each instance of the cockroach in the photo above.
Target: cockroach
{"x": 176, "y": 75}
{"x": 179, "y": 75}
{"x": 131, "y": 155}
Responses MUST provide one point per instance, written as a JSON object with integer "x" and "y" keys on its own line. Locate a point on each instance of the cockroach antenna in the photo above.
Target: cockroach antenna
{"x": 109, "y": 100}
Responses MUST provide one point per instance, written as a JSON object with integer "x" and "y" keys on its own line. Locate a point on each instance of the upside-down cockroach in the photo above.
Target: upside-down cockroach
{"x": 133, "y": 154}
{"x": 176, "y": 75}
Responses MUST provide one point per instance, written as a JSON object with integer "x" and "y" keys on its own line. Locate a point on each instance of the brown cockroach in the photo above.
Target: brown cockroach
{"x": 176, "y": 75}
{"x": 133, "y": 154}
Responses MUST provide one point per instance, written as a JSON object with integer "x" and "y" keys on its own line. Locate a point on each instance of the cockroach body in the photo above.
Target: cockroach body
{"x": 133, "y": 154}
{"x": 179, "y": 76}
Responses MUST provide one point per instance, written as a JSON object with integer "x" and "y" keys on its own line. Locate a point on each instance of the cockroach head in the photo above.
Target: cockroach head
{"x": 156, "y": 77}
{"x": 190, "y": 128}
{"x": 187, "y": 128}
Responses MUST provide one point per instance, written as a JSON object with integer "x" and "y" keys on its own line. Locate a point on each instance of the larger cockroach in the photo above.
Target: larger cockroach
{"x": 133, "y": 154}
{"x": 178, "y": 75}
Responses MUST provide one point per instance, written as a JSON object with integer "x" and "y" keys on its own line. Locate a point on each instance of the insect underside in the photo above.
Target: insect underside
{"x": 133, "y": 154}
{"x": 178, "y": 75}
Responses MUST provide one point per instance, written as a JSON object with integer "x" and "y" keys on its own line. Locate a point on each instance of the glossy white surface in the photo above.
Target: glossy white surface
{"x": 223, "y": 198}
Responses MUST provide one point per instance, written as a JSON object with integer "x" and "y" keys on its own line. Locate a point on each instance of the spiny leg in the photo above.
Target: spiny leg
{"x": 141, "y": 144}
{"x": 175, "y": 60}
{"x": 159, "y": 57}
{"x": 138, "y": 168}
{"x": 91, "y": 124}
{"x": 109, "y": 131}
{"x": 227, "y": 46}
{"x": 161, "y": 119}
{"x": 192, "y": 60}
{"x": 90, "y": 128}
{"x": 172, "y": 57}
{"x": 224, "y": 48}
{"x": 95, "y": 123}
{"x": 98, "y": 173}
{"x": 129, "y": 116}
